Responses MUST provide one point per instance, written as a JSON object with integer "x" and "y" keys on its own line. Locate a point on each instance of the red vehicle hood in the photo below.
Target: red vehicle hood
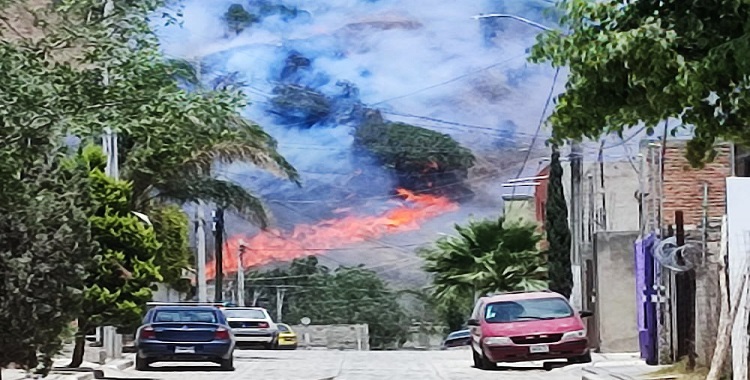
{"x": 553, "y": 326}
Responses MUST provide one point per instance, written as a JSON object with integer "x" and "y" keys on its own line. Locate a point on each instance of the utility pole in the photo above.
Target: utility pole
{"x": 219, "y": 254}
{"x": 200, "y": 241}
{"x": 240, "y": 275}
{"x": 576, "y": 216}
{"x": 280, "y": 291}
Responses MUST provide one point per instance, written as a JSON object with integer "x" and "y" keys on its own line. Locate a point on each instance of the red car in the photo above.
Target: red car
{"x": 528, "y": 326}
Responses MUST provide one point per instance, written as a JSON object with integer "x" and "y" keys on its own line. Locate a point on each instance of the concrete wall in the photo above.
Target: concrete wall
{"x": 616, "y": 304}
{"x": 333, "y": 337}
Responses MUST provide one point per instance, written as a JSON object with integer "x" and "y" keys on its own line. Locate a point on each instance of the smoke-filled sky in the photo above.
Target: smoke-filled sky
{"x": 425, "y": 62}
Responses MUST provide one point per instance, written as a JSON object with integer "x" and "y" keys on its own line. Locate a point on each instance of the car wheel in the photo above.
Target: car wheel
{"x": 227, "y": 364}
{"x": 141, "y": 364}
{"x": 477, "y": 359}
{"x": 581, "y": 359}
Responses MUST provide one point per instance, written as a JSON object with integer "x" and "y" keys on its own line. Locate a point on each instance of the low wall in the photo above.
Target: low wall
{"x": 334, "y": 337}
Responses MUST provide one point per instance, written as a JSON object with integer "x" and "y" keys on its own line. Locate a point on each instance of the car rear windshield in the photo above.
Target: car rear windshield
{"x": 283, "y": 328}
{"x": 527, "y": 310}
{"x": 245, "y": 313}
{"x": 181, "y": 316}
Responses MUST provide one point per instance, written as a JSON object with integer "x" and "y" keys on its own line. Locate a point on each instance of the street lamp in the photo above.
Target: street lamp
{"x": 514, "y": 17}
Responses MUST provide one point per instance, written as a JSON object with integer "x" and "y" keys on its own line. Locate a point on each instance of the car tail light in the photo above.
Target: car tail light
{"x": 221, "y": 334}
{"x": 263, "y": 325}
{"x": 148, "y": 333}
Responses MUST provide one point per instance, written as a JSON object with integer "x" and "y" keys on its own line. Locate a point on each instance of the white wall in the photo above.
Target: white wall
{"x": 738, "y": 223}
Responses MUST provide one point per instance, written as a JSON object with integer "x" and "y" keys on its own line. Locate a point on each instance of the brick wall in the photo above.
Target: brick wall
{"x": 683, "y": 185}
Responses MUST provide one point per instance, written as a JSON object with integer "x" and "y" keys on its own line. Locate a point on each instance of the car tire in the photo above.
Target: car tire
{"x": 581, "y": 359}
{"x": 141, "y": 364}
{"x": 227, "y": 364}
{"x": 477, "y": 359}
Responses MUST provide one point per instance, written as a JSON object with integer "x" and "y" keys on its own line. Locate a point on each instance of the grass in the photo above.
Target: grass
{"x": 680, "y": 371}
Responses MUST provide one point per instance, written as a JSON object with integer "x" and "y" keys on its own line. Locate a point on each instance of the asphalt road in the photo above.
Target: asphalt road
{"x": 349, "y": 365}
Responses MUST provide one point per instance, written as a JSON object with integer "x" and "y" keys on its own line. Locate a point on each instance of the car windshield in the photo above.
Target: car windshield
{"x": 527, "y": 310}
{"x": 245, "y": 313}
{"x": 203, "y": 316}
{"x": 283, "y": 328}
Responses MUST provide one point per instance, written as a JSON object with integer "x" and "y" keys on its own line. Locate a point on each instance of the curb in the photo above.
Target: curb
{"x": 597, "y": 373}
{"x": 121, "y": 364}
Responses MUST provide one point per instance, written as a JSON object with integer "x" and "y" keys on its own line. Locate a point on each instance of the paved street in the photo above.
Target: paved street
{"x": 350, "y": 365}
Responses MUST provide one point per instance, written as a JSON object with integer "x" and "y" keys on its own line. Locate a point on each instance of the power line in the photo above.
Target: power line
{"x": 541, "y": 123}
{"x": 451, "y": 80}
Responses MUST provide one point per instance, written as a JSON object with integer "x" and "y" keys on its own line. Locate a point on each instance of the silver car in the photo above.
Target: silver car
{"x": 252, "y": 326}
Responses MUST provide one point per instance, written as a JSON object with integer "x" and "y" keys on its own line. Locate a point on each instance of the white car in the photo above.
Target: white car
{"x": 251, "y": 326}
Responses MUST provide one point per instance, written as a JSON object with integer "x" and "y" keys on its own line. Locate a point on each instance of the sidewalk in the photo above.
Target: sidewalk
{"x": 88, "y": 371}
{"x": 621, "y": 367}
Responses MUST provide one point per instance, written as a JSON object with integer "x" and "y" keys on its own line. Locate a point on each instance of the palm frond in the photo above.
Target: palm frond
{"x": 225, "y": 194}
{"x": 245, "y": 142}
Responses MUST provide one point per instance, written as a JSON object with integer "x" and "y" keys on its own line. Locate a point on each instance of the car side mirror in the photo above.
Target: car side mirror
{"x": 473, "y": 322}
{"x": 586, "y": 314}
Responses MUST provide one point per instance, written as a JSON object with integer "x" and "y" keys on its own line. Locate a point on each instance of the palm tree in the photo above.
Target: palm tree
{"x": 485, "y": 257}
{"x": 175, "y": 160}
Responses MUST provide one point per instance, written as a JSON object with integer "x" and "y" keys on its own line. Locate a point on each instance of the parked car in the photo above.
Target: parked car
{"x": 457, "y": 339}
{"x": 182, "y": 334}
{"x": 287, "y": 337}
{"x": 527, "y": 326}
{"x": 252, "y": 326}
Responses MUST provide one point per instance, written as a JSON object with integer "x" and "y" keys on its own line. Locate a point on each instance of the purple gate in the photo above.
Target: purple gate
{"x": 644, "y": 282}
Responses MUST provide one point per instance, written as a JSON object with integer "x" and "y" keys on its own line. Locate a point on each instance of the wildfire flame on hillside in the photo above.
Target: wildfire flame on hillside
{"x": 312, "y": 239}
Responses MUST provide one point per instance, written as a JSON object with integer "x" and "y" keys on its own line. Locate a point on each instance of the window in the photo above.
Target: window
{"x": 283, "y": 328}
{"x": 245, "y": 313}
{"x": 183, "y": 316}
{"x": 527, "y": 310}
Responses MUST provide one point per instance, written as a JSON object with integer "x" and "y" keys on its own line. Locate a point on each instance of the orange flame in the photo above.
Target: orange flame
{"x": 310, "y": 239}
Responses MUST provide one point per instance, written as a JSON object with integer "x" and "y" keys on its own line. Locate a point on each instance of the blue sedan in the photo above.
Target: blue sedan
{"x": 184, "y": 334}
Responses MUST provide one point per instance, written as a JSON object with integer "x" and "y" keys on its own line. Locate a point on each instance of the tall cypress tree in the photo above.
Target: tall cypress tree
{"x": 558, "y": 230}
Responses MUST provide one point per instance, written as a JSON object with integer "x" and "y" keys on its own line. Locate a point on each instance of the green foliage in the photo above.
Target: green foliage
{"x": 123, "y": 270}
{"x": 174, "y": 255}
{"x": 347, "y": 295}
{"x": 646, "y": 61}
{"x": 486, "y": 257}
{"x": 45, "y": 242}
{"x": 170, "y": 138}
{"x": 558, "y": 231}
{"x": 299, "y": 105}
{"x": 423, "y": 160}
{"x": 238, "y": 19}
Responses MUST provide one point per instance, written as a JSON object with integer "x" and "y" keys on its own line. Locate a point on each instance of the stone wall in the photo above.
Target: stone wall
{"x": 333, "y": 337}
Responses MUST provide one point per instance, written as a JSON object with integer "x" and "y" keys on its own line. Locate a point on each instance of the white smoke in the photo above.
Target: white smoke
{"x": 426, "y": 62}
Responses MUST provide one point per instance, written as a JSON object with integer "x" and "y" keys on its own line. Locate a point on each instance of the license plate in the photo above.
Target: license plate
{"x": 184, "y": 350}
{"x": 539, "y": 349}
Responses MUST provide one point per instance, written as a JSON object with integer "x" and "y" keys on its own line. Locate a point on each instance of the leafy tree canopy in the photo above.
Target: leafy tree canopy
{"x": 645, "y": 61}
{"x": 123, "y": 270}
{"x": 486, "y": 257}
{"x": 346, "y": 295}
{"x": 174, "y": 255}
{"x": 45, "y": 241}
{"x": 238, "y": 19}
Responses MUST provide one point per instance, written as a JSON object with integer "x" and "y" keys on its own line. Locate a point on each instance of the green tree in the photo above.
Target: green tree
{"x": 486, "y": 257}
{"x": 45, "y": 240}
{"x": 174, "y": 255}
{"x": 123, "y": 272}
{"x": 238, "y": 19}
{"x": 346, "y": 295}
{"x": 645, "y": 61}
{"x": 558, "y": 230}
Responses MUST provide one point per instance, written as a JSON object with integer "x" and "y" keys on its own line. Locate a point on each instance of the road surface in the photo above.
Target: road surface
{"x": 349, "y": 365}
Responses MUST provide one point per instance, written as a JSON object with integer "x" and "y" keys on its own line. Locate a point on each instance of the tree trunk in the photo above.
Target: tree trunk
{"x": 80, "y": 347}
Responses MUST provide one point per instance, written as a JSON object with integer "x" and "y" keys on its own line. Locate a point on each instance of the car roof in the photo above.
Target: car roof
{"x": 518, "y": 296}
{"x": 185, "y": 308}
{"x": 245, "y": 308}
